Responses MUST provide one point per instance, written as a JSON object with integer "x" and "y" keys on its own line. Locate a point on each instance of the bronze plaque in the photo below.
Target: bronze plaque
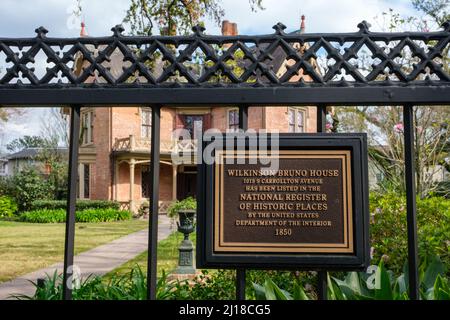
{"x": 303, "y": 207}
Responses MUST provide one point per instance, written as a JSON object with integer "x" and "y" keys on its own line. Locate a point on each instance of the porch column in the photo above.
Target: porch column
{"x": 116, "y": 180}
{"x": 174, "y": 181}
{"x": 132, "y": 164}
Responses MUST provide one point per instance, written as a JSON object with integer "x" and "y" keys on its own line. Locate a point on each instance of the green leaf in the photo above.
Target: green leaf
{"x": 273, "y": 292}
{"x": 401, "y": 287}
{"x": 334, "y": 292}
{"x": 352, "y": 280}
{"x": 441, "y": 289}
{"x": 383, "y": 290}
{"x": 269, "y": 290}
{"x": 434, "y": 269}
{"x": 299, "y": 293}
{"x": 346, "y": 290}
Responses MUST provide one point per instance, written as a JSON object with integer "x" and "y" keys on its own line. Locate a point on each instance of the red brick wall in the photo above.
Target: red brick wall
{"x": 264, "y": 118}
{"x": 277, "y": 118}
{"x": 101, "y": 169}
{"x": 126, "y": 121}
{"x": 167, "y": 123}
{"x": 165, "y": 182}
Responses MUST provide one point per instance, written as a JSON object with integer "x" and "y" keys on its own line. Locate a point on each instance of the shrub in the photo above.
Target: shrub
{"x": 89, "y": 215}
{"x": 6, "y": 186}
{"x": 28, "y": 186}
{"x": 132, "y": 286}
{"x": 8, "y": 207}
{"x": 44, "y": 216}
{"x": 102, "y": 215}
{"x": 388, "y": 232}
{"x": 80, "y": 204}
{"x": 434, "y": 285}
{"x": 97, "y": 204}
{"x": 187, "y": 204}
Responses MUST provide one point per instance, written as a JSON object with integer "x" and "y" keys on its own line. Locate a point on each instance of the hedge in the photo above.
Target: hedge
{"x": 80, "y": 204}
{"x": 89, "y": 215}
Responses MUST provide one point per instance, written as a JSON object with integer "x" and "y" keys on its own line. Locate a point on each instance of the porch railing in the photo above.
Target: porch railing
{"x": 135, "y": 144}
{"x": 163, "y": 206}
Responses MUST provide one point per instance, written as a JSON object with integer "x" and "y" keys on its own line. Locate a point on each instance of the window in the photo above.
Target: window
{"x": 233, "y": 119}
{"x": 193, "y": 124}
{"x": 146, "y": 123}
{"x": 86, "y": 179}
{"x": 2, "y": 167}
{"x": 83, "y": 180}
{"x": 87, "y": 122}
{"x": 296, "y": 120}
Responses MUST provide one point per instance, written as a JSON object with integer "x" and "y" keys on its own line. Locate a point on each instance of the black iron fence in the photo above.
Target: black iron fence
{"x": 361, "y": 68}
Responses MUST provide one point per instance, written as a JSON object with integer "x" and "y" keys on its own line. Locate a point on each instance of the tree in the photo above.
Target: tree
{"x": 55, "y": 127}
{"x": 26, "y": 142}
{"x": 437, "y": 10}
{"x": 7, "y": 112}
{"x": 172, "y": 16}
{"x": 385, "y": 125}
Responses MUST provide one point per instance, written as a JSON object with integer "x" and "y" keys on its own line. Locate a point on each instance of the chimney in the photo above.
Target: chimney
{"x": 83, "y": 32}
{"x": 229, "y": 29}
{"x": 235, "y": 29}
{"x": 302, "y": 25}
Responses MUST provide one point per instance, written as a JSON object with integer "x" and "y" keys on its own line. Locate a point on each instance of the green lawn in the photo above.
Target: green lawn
{"x": 167, "y": 256}
{"x": 25, "y": 247}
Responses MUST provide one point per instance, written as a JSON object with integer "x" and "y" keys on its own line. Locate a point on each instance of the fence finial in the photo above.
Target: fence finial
{"x": 446, "y": 25}
{"x": 198, "y": 29}
{"x": 117, "y": 30}
{"x": 41, "y": 32}
{"x": 364, "y": 27}
{"x": 279, "y": 28}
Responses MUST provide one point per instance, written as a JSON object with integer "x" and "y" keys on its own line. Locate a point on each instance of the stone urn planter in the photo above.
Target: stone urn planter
{"x": 185, "y": 225}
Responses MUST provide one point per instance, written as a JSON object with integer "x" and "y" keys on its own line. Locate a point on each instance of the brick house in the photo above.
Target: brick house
{"x": 114, "y": 154}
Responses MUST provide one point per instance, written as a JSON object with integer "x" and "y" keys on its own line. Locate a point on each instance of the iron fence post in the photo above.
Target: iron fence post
{"x": 410, "y": 165}
{"x": 322, "y": 275}
{"x": 241, "y": 274}
{"x": 154, "y": 210}
{"x": 69, "y": 241}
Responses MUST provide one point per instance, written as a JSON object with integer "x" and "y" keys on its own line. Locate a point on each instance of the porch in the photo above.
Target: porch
{"x": 131, "y": 178}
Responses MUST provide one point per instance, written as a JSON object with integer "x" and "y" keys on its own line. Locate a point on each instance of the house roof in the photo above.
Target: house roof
{"x": 28, "y": 153}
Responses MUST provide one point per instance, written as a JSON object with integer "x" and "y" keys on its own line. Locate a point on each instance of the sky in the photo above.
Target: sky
{"x": 19, "y": 18}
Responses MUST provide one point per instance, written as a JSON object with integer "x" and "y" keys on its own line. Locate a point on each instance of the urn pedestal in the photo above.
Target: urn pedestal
{"x": 186, "y": 248}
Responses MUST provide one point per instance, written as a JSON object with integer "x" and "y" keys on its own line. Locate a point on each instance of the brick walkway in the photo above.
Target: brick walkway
{"x": 97, "y": 261}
